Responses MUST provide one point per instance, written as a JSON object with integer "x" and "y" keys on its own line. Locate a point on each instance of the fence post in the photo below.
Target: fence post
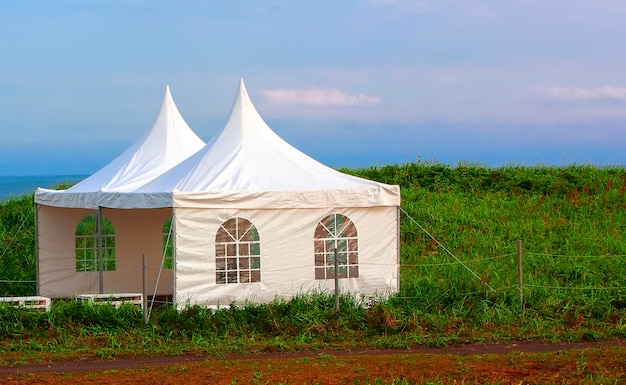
{"x": 336, "y": 281}
{"x": 520, "y": 281}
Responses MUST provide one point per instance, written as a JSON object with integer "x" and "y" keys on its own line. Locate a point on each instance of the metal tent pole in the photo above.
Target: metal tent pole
{"x": 144, "y": 295}
{"x": 37, "y": 254}
{"x": 100, "y": 256}
{"x": 336, "y": 280}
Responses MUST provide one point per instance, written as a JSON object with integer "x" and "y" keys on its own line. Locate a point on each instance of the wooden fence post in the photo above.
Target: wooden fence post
{"x": 520, "y": 281}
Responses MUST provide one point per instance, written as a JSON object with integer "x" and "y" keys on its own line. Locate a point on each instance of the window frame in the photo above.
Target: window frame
{"x": 237, "y": 252}
{"x": 86, "y": 258}
{"x": 344, "y": 239}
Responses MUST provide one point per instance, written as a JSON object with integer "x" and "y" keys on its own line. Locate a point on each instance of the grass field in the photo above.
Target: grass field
{"x": 459, "y": 275}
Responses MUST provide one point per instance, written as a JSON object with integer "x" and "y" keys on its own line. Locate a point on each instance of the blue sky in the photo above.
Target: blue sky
{"x": 351, "y": 83}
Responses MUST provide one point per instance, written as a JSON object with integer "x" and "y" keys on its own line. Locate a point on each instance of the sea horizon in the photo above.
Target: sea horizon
{"x": 16, "y": 186}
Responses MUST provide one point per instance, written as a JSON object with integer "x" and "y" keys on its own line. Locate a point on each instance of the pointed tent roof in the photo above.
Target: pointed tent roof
{"x": 247, "y": 158}
{"x": 166, "y": 144}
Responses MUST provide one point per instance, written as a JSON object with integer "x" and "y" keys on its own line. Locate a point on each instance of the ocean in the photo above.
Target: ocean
{"x": 17, "y": 186}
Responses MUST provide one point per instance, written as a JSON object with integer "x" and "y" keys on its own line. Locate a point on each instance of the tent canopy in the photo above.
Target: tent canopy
{"x": 166, "y": 144}
{"x": 294, "y": 211}
{"x": 248, "y": 165}
{"x": 248, "y": 156}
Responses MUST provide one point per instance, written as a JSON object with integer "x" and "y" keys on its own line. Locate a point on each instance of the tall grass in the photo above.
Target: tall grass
{"x": 570, "y": 220}
{"x": 17, "y": 246}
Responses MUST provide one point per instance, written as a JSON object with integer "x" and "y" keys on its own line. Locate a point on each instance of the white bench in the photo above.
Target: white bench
{"x": 28, "y": 302}
{"x": 116, "y": 299}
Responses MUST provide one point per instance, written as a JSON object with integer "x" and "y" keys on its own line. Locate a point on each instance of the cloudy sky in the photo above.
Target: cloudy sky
{"x": 351, "y": 83}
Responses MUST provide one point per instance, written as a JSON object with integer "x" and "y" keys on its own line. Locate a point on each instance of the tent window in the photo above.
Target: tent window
{"x": 87, "y": 244}
{"x": 168, "y": 260}
{"x": 237, "y": 252}
{"x": 336, "y": 231}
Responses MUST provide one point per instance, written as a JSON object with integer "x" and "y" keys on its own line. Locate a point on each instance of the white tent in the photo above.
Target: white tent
{"x": 254, "y": 218}
{"x": 168, "y": 142}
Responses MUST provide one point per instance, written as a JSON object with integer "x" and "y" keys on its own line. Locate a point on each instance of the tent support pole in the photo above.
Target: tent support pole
{"x": 144, "y": 296}
{"x": 174, "y": 279}
{"x": 336, "y": 281}
{"x": 398, "y": 215}
{"x": 100, "y": 262}
{"x": 37, "y": 255}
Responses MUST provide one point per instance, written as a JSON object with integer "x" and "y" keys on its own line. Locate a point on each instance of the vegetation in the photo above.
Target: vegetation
{"x": 17, "y": 246}
{"x": 459, "y": 279}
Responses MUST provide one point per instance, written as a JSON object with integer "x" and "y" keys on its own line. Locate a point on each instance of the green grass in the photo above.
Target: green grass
{"x": 17, "y": 246}
{"x": 570, "y": 220}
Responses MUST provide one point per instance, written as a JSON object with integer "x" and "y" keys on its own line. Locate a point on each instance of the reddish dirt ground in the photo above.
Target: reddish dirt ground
{"x": 522, "y": 362}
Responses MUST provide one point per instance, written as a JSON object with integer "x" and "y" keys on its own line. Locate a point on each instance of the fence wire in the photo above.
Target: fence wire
{"x": 575, "y": 256}
{"x": 417, "y": 266}
{"x": 573, "y": 287}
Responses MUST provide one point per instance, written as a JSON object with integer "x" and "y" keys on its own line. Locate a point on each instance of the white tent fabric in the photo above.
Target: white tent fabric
{"x": 246, "y": 172}
{"x": 166, "y": 144}
{"x": 247, "y": 165}
{"x": 248, "y": 156}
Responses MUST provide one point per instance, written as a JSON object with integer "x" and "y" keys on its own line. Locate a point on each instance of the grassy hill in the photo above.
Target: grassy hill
{"x": 460, "y": 229}
{"x": 570, "y": 221}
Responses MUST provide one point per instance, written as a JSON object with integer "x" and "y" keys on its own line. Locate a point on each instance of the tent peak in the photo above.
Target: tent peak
{"x": 168, "y": 100}
{"x": 167, "y": 143}
{"x": 243, "y": 115}
{"x": 241, "y": 90}
{"x": 248, "y": 157}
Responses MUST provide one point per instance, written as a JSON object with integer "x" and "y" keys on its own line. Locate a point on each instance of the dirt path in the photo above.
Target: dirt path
{"x": 90, "y": 365}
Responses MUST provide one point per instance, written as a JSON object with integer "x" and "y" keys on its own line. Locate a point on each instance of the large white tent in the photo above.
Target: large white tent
{"x": 254, "y": 218}
{"x": 168, "y": 142}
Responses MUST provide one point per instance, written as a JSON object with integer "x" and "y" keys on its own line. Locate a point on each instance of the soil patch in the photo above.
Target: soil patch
{"x": 90, "y": 365}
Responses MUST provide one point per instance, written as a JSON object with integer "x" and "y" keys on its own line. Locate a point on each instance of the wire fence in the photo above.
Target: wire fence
{"x": 503, "y": 266}
{"x": 522, "y": 270}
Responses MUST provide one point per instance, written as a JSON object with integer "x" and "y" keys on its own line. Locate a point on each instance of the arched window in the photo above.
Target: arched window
{"x": 87, "y": 244}
{"x": 237, "y": 252}
{"x": 168, "y": 233}
{"x": 336, "y": 232}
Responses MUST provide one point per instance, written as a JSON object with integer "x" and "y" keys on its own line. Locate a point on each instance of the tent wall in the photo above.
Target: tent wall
{"x": 287, "y": 254}
{"x": 137, "y": 232}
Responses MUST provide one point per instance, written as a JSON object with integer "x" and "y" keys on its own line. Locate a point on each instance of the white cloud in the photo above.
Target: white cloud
{"x": 318, "y": 97}
{"x": 580, "y": 93}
